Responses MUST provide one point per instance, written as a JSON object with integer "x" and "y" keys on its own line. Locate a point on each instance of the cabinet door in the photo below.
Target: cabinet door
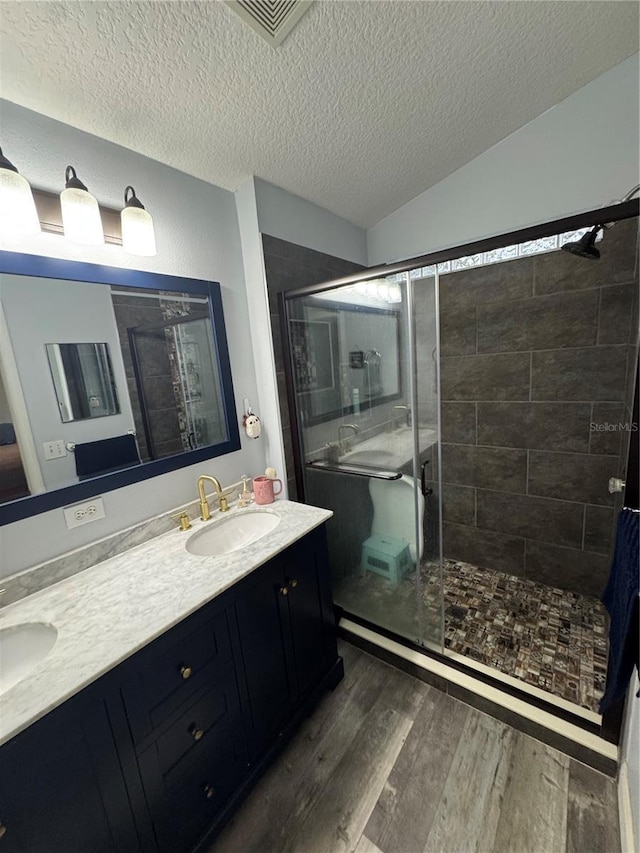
{"x": 263, "y": 624}
{"x": 310, "y": 610}
{"x": 61, "y": 786}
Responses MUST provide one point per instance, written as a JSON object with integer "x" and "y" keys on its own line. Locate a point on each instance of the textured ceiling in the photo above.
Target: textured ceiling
{"x": 365, "y": 105}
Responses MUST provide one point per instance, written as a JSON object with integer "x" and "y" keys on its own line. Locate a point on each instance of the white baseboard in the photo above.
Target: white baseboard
{"x": 627, "y": 841}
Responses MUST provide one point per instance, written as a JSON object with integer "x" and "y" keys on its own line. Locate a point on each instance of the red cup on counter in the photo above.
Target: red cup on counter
{"x": 264, "y": 489}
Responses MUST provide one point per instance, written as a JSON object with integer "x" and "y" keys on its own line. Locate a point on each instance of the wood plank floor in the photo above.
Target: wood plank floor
{"x": 388, "y": 764}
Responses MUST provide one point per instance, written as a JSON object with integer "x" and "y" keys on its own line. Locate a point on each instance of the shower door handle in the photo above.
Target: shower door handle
{"x": 423, "y": 479}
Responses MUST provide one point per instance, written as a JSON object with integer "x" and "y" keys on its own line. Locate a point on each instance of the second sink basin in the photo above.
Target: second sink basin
{"x": 379, "y": 458}
{"x": 22, "y": 648}
{"x": 227, "y": 535}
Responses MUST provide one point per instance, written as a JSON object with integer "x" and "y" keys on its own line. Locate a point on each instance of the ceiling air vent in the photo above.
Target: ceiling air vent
{"x": 272, "y": 19}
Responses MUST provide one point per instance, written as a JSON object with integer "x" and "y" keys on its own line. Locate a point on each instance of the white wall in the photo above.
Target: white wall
{"x": 198, "y": 237}
{"x": 266, "y": 404}
{"x": 289, "y": 217}
{"x": 5, "y": 414}
{"x": 578, "y": 156}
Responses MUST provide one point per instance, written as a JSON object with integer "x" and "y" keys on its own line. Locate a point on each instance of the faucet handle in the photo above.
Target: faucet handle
{"x": 183, "y": 518}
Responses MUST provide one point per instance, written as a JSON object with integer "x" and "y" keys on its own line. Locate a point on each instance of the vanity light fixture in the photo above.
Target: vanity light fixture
{"x": 138, "y": 235}
{"x": 18, "y": 214}
{"x": 80, "y": 212}
{"x": 395, "y": 293}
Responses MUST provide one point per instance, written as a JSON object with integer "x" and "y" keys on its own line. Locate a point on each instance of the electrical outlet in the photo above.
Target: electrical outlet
{"x": 83, "y": 513}
{"x": 54, "y": 449}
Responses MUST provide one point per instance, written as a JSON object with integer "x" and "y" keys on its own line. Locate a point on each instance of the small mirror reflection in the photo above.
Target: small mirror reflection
{"x": 83, "y": 379}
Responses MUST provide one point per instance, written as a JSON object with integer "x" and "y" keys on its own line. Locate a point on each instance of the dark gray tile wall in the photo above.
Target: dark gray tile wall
{"x": 536, "y": 359}
{"x": 288, "y": 267}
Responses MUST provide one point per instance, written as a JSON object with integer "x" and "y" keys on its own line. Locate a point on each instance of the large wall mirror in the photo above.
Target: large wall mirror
{"x": 346, "y": 356}
{"x": 107, "y": 377}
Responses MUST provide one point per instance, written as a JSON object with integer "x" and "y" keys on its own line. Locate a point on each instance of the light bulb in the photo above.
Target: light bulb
{"x": 18, "y": 214}
{"x": 383, "y": 291}
{"x": 80, "y": 212}
{"x": 138, "y": 235}
{"x": 395, "y": 293}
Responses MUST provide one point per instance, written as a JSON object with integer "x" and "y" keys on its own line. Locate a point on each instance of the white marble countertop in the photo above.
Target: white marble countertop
{"x": 108, "y": 612}
{"x": 390, "y": 449}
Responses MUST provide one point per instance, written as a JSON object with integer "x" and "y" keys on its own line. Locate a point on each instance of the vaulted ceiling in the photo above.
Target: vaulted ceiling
{"x": 365, "y": 105}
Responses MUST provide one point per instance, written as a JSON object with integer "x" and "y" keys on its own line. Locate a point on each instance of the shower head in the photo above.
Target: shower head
{"x": 584, "y": 247}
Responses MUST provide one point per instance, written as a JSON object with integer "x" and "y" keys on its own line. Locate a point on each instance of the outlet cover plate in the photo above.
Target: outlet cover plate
{"x": 83, "y": 513}
{"x": 54, "y": 449}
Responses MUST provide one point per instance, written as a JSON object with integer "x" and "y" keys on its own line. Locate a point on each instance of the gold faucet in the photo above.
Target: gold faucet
{"x": 205, "y": 512}
{"x": 343, "y": 443}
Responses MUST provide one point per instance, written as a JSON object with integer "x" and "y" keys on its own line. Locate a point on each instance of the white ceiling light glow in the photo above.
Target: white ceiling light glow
{"x": 18, "y": 214}
{"x": 138, "y": 235}
{"x": 80, "y": 212}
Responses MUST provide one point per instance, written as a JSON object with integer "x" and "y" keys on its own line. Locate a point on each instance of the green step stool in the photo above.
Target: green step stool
{"x": 386, "y": 556}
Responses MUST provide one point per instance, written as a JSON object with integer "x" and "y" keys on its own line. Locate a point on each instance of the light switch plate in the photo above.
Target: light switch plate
{"x": 83, "y": 513}
{"x": 54, "y": 449}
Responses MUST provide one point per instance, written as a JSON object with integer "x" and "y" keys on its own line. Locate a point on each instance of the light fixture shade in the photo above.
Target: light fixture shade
{"x": 383, "y": 291}
{"x": 80, "y": 212}
{"x": 138, "y": 235}
{"x": 18, "y": 214}
{"x": 395, "y": 293}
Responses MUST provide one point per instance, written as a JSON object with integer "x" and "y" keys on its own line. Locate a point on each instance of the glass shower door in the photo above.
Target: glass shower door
{"x": 368, "y": 451}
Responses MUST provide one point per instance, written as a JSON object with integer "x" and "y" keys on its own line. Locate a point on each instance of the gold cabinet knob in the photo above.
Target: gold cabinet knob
{"x": 209, "y": 791}
{"x": 284, "y": 590}
{"x": 3, "y": 830}
{"x": 195, "y": 732}
{"x": 293, "y": 583}
{"x": 186, "y": 672}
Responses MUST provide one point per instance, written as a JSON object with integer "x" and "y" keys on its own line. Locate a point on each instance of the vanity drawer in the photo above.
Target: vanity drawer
{"x": 183, "y": 812}
{"x": 174, "y": 668}
{"x": 191, "y": 734}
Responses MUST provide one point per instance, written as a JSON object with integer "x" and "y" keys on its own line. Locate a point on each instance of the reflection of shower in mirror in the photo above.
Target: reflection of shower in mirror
{"x": 372, "y": 362}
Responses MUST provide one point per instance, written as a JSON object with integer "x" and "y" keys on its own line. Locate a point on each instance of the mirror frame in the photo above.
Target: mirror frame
{"x": 16, "y": 263}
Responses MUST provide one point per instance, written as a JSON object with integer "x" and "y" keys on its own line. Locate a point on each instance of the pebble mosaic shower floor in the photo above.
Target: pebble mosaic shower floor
{"x": 551, "y": 638}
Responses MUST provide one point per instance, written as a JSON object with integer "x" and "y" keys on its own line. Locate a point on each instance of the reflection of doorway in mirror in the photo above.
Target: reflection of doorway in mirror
{"x": 20, "y": 474}
{"x": 13, "y": 480}
{"x": 166, "y": 340}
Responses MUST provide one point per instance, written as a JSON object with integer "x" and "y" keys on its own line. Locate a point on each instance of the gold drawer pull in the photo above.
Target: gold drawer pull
{"x": 294, "y": 583}
{"x": 186, "y": 672}
{"x": 195, "y": 732}
{"x": 3, "y": 830}
{"x": 209, "y": 791}
{"x": 284, "y": 590}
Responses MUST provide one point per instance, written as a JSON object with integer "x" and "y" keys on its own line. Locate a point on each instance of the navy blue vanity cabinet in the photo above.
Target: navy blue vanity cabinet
{"x": 61, "y": 785}
{"x": 155, "y": 756}
{"x": 313, "y": 631}
{"x": 263, "y": 626}
{"x": 164, "y": 676}
{"x": 186, "y": 714}
{"x": 287, "y": 633}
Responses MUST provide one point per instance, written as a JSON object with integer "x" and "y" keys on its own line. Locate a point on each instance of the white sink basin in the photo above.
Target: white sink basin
{"x": 231, "y": 534}
{"x": 377, "y": 458}
{"x": 22, "y": 648}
